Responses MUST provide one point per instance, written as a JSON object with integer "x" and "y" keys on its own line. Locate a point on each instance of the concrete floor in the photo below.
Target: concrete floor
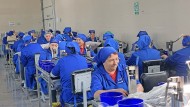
{"x": 11, "y": 92}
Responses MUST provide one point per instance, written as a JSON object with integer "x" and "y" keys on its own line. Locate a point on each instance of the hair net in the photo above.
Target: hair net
{"x": 67, "y": 30}
{"x": 82, "y": 36}
{"x": 43, "y": 33}
{"x": 30, "y": 32}
{"x": 142, "y": 33}
{"x": 10, "y": 33}
{"x": 72, "y": 48}
{"x": 108, "y": 35}
{"x": 27, "y": 38}
{"x": 111, "y": 42}
{"x": 21, "y": 34}
{"x": 103, "y": 54}
{"x": 186, "y": 41}
{"x": 143, "y": 42}
{"x": 91, "y": 31}
{"x": 54, "y": 41}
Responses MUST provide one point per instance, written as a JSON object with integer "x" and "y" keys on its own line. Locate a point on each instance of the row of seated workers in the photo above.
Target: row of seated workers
{"x": 110, "y": 65}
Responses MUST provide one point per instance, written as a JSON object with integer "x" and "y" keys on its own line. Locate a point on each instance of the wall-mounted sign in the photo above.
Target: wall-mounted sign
{"x": 11, "y": 23}
{"x": 136, "y": 8}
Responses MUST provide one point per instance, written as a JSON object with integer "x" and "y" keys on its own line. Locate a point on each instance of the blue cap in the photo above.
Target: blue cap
{"x": 43, "y": 33}
{"x": 111, "y": 42}
{"x": 27, "y": 38}
{"x": 91, "y": 31}
{"x": 103, "y": 54}
{"x": 67, "y": 30}
{"x": 10, "y": 33}
{"x": 21, "y": 34}
{"x": 31, "y": 31}
{"x": 72, "y": 45}
{"x": 142, "y": 33}
{"x": 82, "y": 36}
{"x": 108, "y": 35}
{"x": 54, "y": 41}
{"x": 186, "y": 41}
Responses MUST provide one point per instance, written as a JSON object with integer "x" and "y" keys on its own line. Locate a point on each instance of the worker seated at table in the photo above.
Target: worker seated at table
{"x": 92, "y": 36}
{"x": 46, "y": 40}
{"x": 28, "y": 61}
{"x": 143, "y": 53}
{"x": 67, "y": 34}
{"x": 110, "y": 75}
{"x": 33, "y": 34}
{"x": 113, "y": 43}
{"x": 141, "y": 33}
{"x": 177, "y": 62}
{"x": 65, "y": 67}
{"x": 48, "y": 54}
{"x": 15, "y": 46}
{"x": 108, "y": 35}
{"x": 81, "y": 39}
{"x": 41, "y": 37}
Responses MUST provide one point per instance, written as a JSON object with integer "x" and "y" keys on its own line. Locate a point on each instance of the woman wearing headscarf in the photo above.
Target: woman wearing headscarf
{"x": 177, "y": 61}
{"x": 143, "y": 53}
{"x": 67, "y": 34}
{"x": 109, "y": 75}
{"x": 92, "y": 36}
{"x": 141, "y": 33}
{"x": 28, "y": 60}
{"x": 113, "y": 43}
{"x": 65, "y": 67}
{"x": 48, "y": 54}
{"x": 81, "y": 39}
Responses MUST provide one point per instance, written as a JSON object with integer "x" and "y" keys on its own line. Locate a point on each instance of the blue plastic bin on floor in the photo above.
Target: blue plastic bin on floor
{"x": 111, "y": 98}
{"x": 131, "y": 102}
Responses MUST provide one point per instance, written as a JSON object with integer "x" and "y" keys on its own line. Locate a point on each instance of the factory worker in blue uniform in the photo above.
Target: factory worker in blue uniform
{"x": 51, "y": 52}
{"x": 65, "y": 67}
{"x": 48, "y": 54}
{"x": 9, "y": 34}
{"x": 67, "y": 34}
{"x": 33, "y": 34}
{"x": 41, "y": 38}
{"x": 110, "y": 75}
{"x": 141, "y": 33}
{"x": 143, "y": 53}
{"x": 15, "y": 46}
{"x": 61, "y": 49}
{"x": 113, "y": 43}
{"x": 81, "y": 39}
{"x": 60, "y": 37}
{"x": 28, "y": 61}
{"x": 108, "y": 35}
{"x": 177, "y": 61}
{"x": 20, "y": 40}
{"x": 92, "y": 36}
{"x": 47, "y": 37}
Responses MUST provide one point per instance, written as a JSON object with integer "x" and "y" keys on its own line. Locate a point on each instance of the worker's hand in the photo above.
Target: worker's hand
{"x": 140, "y": 88}
{"x": 164, "y": 56}
{"x": 121, "y": 90}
